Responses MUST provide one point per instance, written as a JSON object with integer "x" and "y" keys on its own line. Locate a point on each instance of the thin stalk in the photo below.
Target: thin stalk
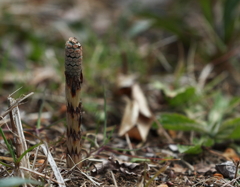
{"x": 105, "y": 120}
{"x": 74, "y": 80}
{"x": 9, "y": 147}
{"x": 19, "y": 139}
{"x": 40, "y": 113}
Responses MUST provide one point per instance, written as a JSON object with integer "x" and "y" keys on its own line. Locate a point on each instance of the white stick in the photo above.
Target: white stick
{"x": 53, "y": 165}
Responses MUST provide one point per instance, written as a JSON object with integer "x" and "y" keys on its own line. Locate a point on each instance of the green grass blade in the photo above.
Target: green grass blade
{"x": 105, "y": 120}
{"x": 171, "y": 24}
{"x": 109, "y": 136}
{"x": 28, "y": 150}
{"x": 7, "y": 165}
{"x": 229, "y": 17}
{"x": 40, "y": 113}
{"x": 206, "y": 6}
{"x": 161, "y": 170}
{"x": 10, "y": 149}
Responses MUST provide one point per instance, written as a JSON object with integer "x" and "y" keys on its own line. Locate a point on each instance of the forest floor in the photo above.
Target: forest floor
{"x": 135, "y": 69}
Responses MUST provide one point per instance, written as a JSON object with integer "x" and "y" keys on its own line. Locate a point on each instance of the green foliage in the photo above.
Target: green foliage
{"x": 9, "y": 146}
{"x": 188, "y": 149}
{"x": 215, "y": 34}
{"x": 230, "y": 128}
{"x": 180, "y": 122}
{"x": 207, "y": 112}
{"x": 16, "y": 181}
{"x": 183, "y": 97}
{"x": 172, "y": 23}
{"x": 196, "y": 148}
{"x": 105, "y": 138}
{"x": 12, "y": 152}
{"x": 176, "y": 97}
{"x": 216, "y": 124}
{"x": 37, "y": 48}
{"x": 230, "y": 16}
{"x": 207, "y": 10}
{"x": 27, "y": 151}
{"x": 6, "y": 165}
{"x": 221, "y": 27}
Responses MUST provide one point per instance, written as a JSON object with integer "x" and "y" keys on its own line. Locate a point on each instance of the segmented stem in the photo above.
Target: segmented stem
{"x": 74, "y": 80}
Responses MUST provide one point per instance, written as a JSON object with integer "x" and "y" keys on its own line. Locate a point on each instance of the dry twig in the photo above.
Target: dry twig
{"x": 19, "y": 138}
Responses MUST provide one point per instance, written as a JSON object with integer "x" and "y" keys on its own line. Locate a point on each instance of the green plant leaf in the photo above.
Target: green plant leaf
{"x": 236, "y": 133}
{"x": 203, "y": 141}
{"x": 166, "y": 23}
{"x": 209, "y": 87}
{"x": 184, "y": 93}
{"x": 25, "y": 152}
{"x": 105, "y": 138}
{"x": 180, "y": 122}
{"x": 10, "y": 149}
{"x": 190, "y": 149}
{"x": 183, "y": 97}
{"x": 208, "y": 142}
{"x": 229, "y": 17}
{"x": 7, "y": 165}
{"x": 234, "y": 102}
{"x": 37, "y": 48}
{"x": 230, "y": 129}
{"x": 207, "y": 10}
{"x": 173, "y": 24}
{"x": 231, "y": 123}
{"x": 16, "y": 181}
{"x": 196, "y": 148}
{"x": 217, "y": 112}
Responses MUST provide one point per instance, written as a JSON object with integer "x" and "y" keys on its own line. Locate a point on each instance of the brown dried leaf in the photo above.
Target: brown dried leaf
{"x": 130, "y": 117}
{"x": 137, "y": 118}
{"x": 134, "y": 123}
{"x": 126, "y": 81}
{"x": 138, "y": 96}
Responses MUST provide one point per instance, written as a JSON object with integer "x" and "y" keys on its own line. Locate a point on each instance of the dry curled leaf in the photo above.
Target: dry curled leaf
{"x": 137, "y": 117}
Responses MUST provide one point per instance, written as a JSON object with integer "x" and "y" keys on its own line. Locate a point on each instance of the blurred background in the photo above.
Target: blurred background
{"x": 184, "y": 53}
